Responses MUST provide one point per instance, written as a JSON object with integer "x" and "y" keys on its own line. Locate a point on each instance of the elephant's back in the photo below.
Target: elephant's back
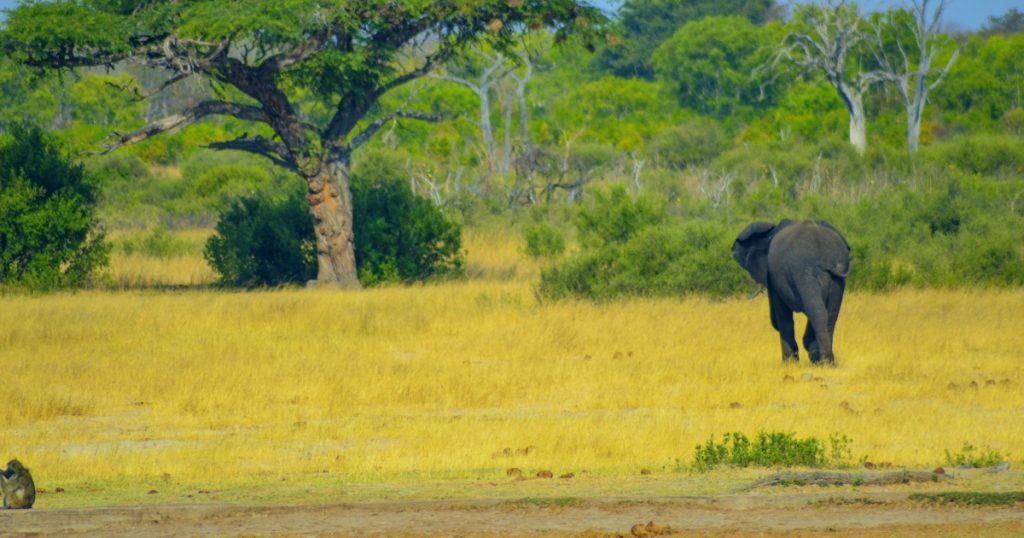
{"x": 811, "y": 244}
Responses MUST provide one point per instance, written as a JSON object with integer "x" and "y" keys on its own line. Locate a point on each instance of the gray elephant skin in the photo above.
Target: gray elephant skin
{"x": 803, "y": 265}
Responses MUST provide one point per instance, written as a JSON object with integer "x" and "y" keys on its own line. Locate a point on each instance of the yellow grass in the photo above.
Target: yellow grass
{"x": 438, "y": 381}
{"x": 457, "y": 380}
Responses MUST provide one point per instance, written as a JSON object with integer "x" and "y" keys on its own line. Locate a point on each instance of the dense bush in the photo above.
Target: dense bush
{"x": 543, "y": 240}
{"x": 631, "y": 247}
{"x": 400, "y": 237}
{"x": 263, "y": 242}
{"x": 48, "y": 232}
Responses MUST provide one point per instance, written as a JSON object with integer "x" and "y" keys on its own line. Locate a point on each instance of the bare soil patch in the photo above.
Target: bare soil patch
{"x": 796, "y": 513}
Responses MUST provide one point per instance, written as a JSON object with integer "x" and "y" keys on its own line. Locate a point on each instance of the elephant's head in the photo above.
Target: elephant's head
{"x": 751, "y": 248}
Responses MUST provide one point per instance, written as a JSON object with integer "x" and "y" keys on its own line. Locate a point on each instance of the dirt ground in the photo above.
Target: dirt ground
{"x": 796, "y": 514}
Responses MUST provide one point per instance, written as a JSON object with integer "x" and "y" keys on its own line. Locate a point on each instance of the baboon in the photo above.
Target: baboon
{"x": 18, "y": 488}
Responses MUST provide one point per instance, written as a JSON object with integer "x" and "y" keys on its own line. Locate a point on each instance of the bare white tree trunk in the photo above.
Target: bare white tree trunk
{"x": 832, "y": 34}
{"x": 491, "y": 75}
{"x": 911, "y": 66}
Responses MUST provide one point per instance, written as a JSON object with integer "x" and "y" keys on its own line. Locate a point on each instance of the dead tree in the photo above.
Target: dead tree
{"x": 496, "y": 68}
{"x": 830, "y": 42}
{"x": 912, "y": 66}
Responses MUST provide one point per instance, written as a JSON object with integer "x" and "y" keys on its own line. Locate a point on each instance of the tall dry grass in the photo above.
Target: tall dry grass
{"x": 431, "y": 381}
{"x": 412, "y": 383}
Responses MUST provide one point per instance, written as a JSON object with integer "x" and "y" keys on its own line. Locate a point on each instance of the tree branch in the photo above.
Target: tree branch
{"x": 375, "y": 126}
{"x": 258, "y": 145}
{"x": 188, "y": 117}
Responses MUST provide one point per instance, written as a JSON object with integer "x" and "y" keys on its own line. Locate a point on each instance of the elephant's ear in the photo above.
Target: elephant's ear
{"x": 753, "y": 230}
{"x": 751, "y": 249}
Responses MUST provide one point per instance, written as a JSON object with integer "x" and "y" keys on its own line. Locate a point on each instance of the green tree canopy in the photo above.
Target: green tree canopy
{"x": 710, "y": 65}
{"x": 266, "y": 57}
{"x": 645, "y": 24}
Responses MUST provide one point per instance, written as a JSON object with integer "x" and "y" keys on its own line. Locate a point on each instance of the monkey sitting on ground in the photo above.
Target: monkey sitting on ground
{"x": 18, "y": 488}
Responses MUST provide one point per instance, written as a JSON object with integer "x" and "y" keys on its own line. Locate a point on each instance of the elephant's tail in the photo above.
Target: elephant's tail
{"x": 839, "y": 269}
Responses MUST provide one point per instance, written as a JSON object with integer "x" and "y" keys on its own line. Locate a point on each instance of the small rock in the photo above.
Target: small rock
{"x": 567, "y": 476}
{"x": 544, "y": 474}
{"x": 514, "y": 471}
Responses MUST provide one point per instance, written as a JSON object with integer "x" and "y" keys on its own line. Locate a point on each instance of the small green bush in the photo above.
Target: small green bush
{"x": 543, "y": 240}
{"x": 49, "y": 237}
{"x": 771, "y": 449}
{"x": 971, "y": 456}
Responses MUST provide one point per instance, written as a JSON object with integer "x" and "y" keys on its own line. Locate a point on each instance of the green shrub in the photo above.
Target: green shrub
{"x": 613, "y": 216}
{"x": 971, "y": 456}
{"x": 262, "y": 242}
{"x": 48, "y": 232}
{"x": 400, "y": 237}
{"x": 543, "y": 240}
{"x": 630, "y": 248}
{"x": 771, "y": 449}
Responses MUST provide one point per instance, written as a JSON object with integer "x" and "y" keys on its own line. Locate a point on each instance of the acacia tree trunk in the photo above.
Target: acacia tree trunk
{"x": 330, "y": 203}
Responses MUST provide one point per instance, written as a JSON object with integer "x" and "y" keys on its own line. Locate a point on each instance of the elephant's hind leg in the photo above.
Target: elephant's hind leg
{"x": 811, "y": 343}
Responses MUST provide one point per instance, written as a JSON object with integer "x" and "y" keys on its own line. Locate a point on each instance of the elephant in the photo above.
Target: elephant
{"x": 804, "y": 266}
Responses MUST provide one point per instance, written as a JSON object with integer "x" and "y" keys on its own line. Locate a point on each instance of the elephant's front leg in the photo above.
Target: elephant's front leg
{"x": 782, "y": 320}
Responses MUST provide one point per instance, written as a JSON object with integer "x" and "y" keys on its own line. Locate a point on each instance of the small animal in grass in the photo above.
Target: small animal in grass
{"x": 18, "y": 488}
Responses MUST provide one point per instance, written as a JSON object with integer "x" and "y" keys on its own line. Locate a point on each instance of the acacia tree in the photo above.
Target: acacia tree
{"x": 262, "y": 56}
{"x": 910, "y": 62}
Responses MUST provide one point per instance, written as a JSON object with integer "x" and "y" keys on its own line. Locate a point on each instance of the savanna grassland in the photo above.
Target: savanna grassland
{"x": 453, "y": 383}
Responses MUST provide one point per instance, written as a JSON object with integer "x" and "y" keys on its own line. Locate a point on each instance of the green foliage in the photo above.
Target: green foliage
{"x": 696, "y": 140}
{"x": 630, "y": 248}
{"x": 711, "y": 65}
{"x": 543, "y": 240}
{"x": 770, "y": 449}
{"x": 971, "y": 456}
{"x": 645, "y": 24}
{"x": 263, "y": 242}
{"x": 49, "y": 237}
{"x": 400, "y": 237}
{"x": 158, "y": 242}
{"x": 614, "y": 216}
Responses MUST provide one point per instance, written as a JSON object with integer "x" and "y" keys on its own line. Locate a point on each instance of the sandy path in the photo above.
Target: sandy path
{"x": 789, "y": 514}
